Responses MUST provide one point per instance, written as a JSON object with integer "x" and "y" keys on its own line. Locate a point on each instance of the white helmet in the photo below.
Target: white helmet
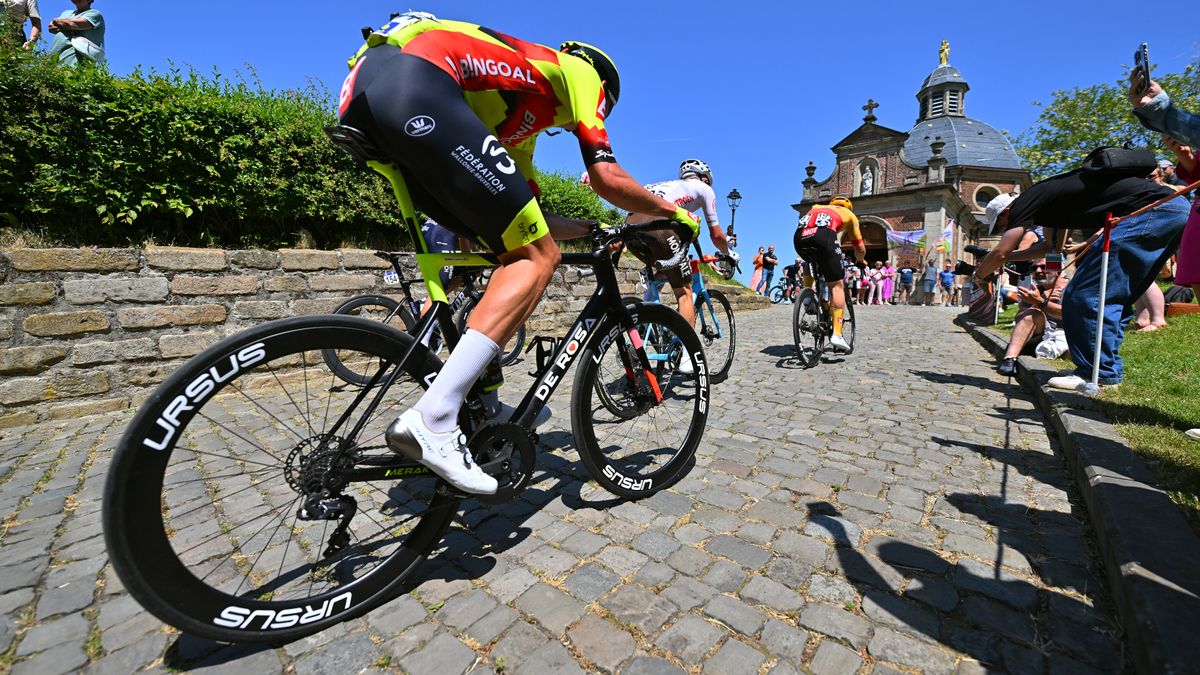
{"x": 689, "y": 166}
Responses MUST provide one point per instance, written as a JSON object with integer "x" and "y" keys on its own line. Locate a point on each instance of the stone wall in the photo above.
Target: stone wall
{"x": 85, "y": 331}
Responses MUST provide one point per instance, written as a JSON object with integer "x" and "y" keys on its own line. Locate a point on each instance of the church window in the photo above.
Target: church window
{"x": 937, "y": 104}
{"x": 985, "y": 195}
{"x": 954, "y": 102}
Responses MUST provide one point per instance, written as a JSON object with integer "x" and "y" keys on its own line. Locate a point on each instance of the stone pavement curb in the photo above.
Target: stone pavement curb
{"x": 1150, "y": 552}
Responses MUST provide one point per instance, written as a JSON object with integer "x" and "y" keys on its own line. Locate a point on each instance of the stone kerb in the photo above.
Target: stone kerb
{"x": 85, "y": 331}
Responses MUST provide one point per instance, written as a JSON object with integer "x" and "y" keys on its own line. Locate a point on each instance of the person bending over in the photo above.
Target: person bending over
{"x": 464, "y": 135}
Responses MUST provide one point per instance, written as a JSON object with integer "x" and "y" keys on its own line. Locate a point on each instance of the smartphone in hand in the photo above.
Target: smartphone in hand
{"x": 1141, "y": 63}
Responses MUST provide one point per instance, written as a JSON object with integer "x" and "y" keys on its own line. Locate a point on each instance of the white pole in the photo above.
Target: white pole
{"x": 1093, "y": 388}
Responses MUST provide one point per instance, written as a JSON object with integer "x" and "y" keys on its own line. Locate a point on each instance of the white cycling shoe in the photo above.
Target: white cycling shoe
{"x": 505, "y": 411}
{"x": 446, "y": 453}
{"x": 839, "y": 344}
{"x": 685, "y": 366}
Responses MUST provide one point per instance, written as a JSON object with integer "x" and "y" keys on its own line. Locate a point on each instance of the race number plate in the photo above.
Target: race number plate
{"x": 391, "y": 278}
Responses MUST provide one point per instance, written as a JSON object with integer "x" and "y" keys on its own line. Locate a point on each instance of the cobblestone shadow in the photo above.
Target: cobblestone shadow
{"x": 871, "y": 515}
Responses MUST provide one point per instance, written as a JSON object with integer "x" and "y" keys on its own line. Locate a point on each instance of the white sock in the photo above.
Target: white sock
{"x": 440, "y": 405}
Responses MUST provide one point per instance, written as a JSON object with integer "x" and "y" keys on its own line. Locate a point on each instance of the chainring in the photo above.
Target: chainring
{"x": 506, "y": 452}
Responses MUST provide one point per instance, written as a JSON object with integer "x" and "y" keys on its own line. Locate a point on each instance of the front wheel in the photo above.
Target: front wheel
{"x": 776, "y": 294}
{"x": 510, "y": 351}
{"x": 232, "y": 509}
{"x": 650, "y": 444}
{"x": 718, "y": 333}
{"x": 806, "y": 328}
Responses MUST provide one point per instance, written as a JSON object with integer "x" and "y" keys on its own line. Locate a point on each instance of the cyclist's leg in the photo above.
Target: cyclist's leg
{"x": 829, "y": 263}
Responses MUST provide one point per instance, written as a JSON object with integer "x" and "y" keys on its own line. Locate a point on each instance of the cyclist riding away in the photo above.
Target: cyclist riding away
{"x": 458, "y": 108}
{"x": 693, "y": 190}
{"x": 791, "y": 280}
{"x": 816, "y": 240}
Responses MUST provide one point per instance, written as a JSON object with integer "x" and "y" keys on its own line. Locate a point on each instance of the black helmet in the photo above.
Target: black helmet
{"x": 604, "y": 68}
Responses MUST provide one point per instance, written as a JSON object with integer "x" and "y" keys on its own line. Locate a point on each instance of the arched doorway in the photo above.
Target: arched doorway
{"x": 875, "y": 237}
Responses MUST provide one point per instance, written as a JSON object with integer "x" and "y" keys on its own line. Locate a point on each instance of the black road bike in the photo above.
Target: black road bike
{"x": 402, "y": 314}
{"x": 812, "y": 323}
{"x": 252, "y": 497}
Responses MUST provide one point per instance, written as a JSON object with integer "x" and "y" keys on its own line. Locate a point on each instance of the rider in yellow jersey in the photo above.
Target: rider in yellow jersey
{"x": 457, "y": 107}
{"x": 816, "y": 240}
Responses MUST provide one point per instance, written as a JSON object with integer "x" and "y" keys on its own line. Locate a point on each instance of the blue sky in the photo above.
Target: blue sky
{"x": 756, "y": 89}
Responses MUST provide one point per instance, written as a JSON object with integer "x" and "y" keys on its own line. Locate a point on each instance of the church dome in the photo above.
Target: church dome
{"x": 942, "y": 75}
{"x": 968, "y": 143}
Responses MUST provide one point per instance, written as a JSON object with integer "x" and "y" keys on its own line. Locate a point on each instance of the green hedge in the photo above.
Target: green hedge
{"x": 89, "y": 158}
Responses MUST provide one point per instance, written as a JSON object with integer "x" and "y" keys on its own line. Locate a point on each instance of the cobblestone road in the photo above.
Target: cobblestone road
{"x": 899, "y": 510}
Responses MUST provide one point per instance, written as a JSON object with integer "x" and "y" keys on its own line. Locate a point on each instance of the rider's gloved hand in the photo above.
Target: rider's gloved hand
{"x": 684, "y": 218}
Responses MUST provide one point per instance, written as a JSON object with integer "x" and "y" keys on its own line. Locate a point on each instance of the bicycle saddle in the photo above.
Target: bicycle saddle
{"x": 356, "y": 144}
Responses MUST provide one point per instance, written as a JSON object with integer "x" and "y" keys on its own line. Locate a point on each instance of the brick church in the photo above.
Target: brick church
{"x": 937, "y": 178}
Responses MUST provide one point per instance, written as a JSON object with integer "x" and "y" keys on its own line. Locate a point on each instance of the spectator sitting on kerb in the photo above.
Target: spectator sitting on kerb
{"x": 1041, "y": 311}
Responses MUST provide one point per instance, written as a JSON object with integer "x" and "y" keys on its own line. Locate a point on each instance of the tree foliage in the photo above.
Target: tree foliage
{"x": 1076, "y": 121}
{"x": 562, "y": 194}
{"x": 89, "y": 158}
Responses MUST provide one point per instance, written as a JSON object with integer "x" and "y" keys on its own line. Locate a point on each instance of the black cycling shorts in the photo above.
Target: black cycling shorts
{"x": 456, "y": 170}
{"x": 821, "y": 249}
{"x": 661, "y": 241}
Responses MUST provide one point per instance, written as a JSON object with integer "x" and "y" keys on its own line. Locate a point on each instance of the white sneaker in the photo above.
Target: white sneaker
{"x": 446, "y": 453}
{"x": 839, "y": 343}
{"x": 1066, "y": 382}
{"x": 1193, "y": 433}
{"x": 685, "y": 366}
{"x": 504, "y": 413}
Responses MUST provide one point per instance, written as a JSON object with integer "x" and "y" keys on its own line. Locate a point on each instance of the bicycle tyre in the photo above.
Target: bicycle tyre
{"x": 848, "y": 325}
{"x": 610, "y": 402}
{"x": 376, "y": 308}
{"x": 806, "y": 328}
{"x": 186, "y": 467}
{"x": 509, "y": 351}
{"x": 685, "y": 398}
{"x": 775, "y": 294}
{"x": 718, "y": 350}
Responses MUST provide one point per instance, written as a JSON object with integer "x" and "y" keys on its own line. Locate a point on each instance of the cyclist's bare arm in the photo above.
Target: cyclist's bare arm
{"x": 718, "y": 238}
{"x": 563, "y": 228}
{"x": 616, "y": 186}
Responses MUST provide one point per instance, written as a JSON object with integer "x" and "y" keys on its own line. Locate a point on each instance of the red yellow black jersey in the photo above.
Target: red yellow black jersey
{"x": 517, "y": 88}
{"x": 835, "y": 218}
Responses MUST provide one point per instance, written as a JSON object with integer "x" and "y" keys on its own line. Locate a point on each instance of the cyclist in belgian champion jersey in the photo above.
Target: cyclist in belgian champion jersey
{"x": 816, "y": 239}
{"x": 692, "y": 191}
{"x": 458, "y": 107}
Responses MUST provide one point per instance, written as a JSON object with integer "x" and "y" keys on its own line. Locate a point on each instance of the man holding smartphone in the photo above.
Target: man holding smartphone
{"x": 1081, "y": 199}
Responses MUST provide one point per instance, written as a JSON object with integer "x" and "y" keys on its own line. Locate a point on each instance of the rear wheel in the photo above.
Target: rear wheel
{"x": 848, "y": 325}
{"x": 806, "y": 328}
{"x": 229, "y": 510}
{"x": 648, "y": 446}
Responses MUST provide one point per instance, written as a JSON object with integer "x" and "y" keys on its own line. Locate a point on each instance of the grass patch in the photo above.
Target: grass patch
{"x": 1157, "y": 402}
